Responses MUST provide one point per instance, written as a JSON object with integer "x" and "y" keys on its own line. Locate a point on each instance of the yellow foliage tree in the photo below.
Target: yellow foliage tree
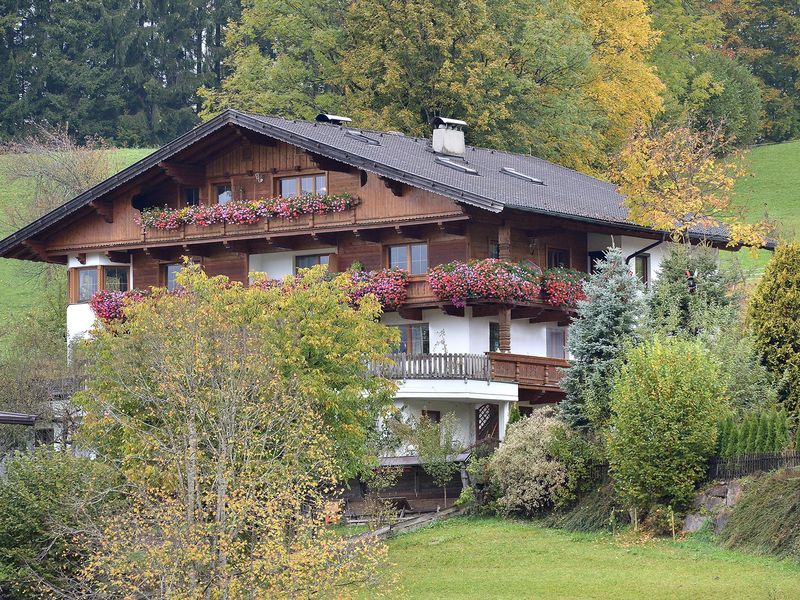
{"x": 217, "y": 404}
{"x": 675, "y": 181}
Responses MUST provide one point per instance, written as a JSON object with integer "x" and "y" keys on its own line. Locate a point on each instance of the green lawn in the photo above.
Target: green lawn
{"x": 495, "y": 558}
{"x": 18, "y": 282}
{"x": 772, "y": 188}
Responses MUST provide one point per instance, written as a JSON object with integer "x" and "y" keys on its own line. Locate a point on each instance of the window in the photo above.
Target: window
{"x": 310, "y": 260}
{"x": 594, "y": 258}
{"x": 557, "y": 258}
{"x": 191, "y": 196}
{"x": 414, "y": 339}
{"x": 170, "y": 273}
{"x": 494, "y": 249}
{"x": 116, "y": 278}
{"x": 494, "y": 337}
{"x": 410, "y": 257}
{"x": 555, "y": 343}
{"x": 641, "y": 267}
{"x": 224, "y": 193}
{"x": 87, "y": 283}
{"x": 305, "y": 184}
{"x": 434, "y": 416}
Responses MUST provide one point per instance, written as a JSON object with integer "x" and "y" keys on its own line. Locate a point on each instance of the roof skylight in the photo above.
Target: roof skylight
{"x": 357, "y": 135}
{"x": 523, "y": 176}
{"x": 457, "y": 166}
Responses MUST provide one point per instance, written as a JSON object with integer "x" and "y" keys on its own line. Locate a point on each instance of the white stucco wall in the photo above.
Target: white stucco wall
{"x": 278, "y": 265}
{"x": 597, "y": 242}
{"x": 470, "y": 335}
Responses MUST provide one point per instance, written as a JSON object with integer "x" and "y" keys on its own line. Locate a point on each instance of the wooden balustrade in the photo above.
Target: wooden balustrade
{"x": 532, "y": 372}
{"x": 434, "y": 366}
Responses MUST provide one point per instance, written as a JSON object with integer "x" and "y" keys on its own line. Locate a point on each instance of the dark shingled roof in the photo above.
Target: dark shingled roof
{"x": 564, "y": 193}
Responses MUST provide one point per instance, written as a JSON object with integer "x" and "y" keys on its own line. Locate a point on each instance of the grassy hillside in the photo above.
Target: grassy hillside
{"x": 772, "y": 188}
{"x": 18, "y": 279}
{"x": 495, "y": 558}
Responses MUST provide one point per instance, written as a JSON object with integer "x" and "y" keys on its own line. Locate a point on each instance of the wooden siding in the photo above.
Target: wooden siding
{"x": 238, "y": 168}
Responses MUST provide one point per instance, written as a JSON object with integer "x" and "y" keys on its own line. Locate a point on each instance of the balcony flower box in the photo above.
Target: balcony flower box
{"x": 488, "y": 279}
{"x": 389, "y": 286}
{"x": 245, "y": 212}
{"x": 108, "y": 305}
{"x": 562, "y": 287}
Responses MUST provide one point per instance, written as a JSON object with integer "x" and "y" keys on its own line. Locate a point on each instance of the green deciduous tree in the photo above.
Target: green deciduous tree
{"x": 605, "y": 324}
{"x": 665, "y": 406}
{"x": 774, "y": 318}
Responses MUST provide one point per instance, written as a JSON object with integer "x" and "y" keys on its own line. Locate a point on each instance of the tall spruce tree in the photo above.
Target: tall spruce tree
{"x": 606, "y": 322}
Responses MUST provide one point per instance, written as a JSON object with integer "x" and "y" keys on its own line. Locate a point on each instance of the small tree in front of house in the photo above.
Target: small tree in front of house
{"x": 438, "y": 446}
{"x": 606, "y": 322}
{"x": 666, "y": 405}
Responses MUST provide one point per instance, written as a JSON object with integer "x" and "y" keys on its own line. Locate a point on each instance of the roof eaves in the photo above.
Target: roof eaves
{"x": 149, "y": 161}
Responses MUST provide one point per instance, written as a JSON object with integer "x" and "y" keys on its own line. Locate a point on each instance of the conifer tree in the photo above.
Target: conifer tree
{"x": 605, "y": 324}
{"x": 774, "y": 318}
{"x": 732, "y": 443}
{"x": 762, "y": 432}
{"x": 752, "y": 433}
{"x": 744, "y": 436}
{"x": 781, "y": 432}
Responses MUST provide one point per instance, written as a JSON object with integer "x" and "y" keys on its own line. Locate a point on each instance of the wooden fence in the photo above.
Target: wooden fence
{"x": 729, "y": 467}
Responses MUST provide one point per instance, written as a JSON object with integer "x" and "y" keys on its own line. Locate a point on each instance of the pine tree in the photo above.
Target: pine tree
{"x": 606, "y": 322}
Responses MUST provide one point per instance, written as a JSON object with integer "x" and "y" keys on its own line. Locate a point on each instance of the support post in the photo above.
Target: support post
{"x": 505, "y": 329}
{"x": 504, "y": 241}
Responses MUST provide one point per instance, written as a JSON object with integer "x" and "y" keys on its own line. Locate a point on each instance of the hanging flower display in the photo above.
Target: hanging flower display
{"x": 489, "y": 279}
{"x": 389, "y": 286}
{"x": 563, "y": 287}
{"x": 108, "y": 305}
{"x": 244, "y": 212}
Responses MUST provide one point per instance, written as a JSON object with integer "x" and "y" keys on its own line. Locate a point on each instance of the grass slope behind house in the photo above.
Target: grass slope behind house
{"x": 18, "y": 279}
{"x": 772, "y": 188}
{"x": 496, "y": 558}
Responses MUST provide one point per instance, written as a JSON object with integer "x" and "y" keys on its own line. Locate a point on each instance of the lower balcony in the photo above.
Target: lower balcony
{"x": 528, "y": 372}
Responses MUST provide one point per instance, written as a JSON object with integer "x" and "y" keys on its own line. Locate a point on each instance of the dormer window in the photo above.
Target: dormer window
{"x": 302, "y": 185}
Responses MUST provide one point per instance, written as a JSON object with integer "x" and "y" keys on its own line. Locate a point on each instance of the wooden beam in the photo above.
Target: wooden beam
{"x": 238, "y": 246}
{"x": 410, "y": 313}
{"x": 169, "y": 254}
{"x": 38, "y": 248}
{"x": 327, "y": 164}
{"x": 328, "y": 239}
{"x": 452, "y": 227}
{"x": 104, "y": 208}
{"x": 81, "y": 257}
{"x": 453, "y": 311}
{"x": 485, "y": 310}
{"x": 185, "y": 173}
{"x": 368, "y": 235}
{"x": 505, "y": 329}
{"x": 396, "y": 187}
{"x": 118, "y": 257}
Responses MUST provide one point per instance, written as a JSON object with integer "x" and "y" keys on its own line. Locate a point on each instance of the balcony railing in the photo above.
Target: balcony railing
{"x": 434, "y": 366}
{"x": 535, "y": 372}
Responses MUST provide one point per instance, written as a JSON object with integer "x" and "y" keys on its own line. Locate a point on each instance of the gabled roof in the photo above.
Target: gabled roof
{"x": 485, "y": 178}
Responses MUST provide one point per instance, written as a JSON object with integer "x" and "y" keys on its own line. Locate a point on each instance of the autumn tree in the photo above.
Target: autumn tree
{"x": 234, "y": 413}
{"x": 560, "y": 79}
{"x": 674, "y": 180}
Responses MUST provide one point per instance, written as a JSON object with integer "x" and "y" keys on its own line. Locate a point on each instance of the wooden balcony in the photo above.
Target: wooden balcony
{"x": 530, "y": 372}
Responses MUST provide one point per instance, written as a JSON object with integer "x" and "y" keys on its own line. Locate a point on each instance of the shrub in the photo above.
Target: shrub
{"x": 530, "y": 479}
{"x": 665, "y": 406}
{"x": 46, "y": 500}
{"x": 767, "y": 516}
{"x": 771, "y": 429}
